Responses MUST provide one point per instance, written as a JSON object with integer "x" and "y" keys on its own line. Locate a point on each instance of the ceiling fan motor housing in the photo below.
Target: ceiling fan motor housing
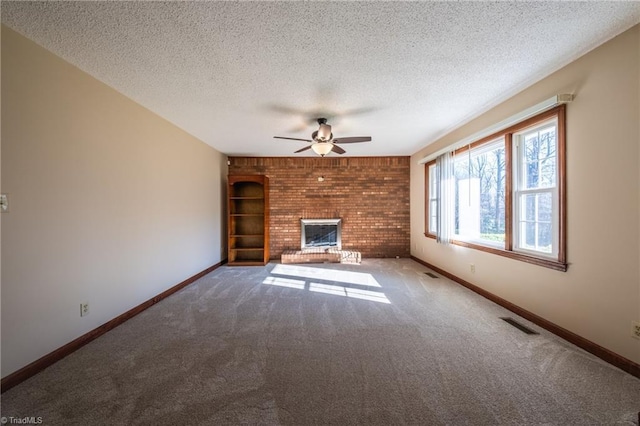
{"x": 324, "y": 133}
{"x": 316, "y": 136}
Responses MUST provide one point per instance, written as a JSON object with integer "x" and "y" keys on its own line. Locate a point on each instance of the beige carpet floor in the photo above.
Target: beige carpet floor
{"x": 379, "y": 343}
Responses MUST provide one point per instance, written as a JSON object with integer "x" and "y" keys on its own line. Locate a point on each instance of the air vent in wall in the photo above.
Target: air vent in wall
{"x": 519, "y": 326}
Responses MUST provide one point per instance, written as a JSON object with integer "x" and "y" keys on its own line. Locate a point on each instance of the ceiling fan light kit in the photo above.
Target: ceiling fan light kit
{"x": 322, "y": 141}
{"x": 322, "y": 148}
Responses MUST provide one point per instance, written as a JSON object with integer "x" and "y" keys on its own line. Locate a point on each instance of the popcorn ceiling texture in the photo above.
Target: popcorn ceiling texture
{"x": 371, "y": 195}
{"x": 235, "y": 74}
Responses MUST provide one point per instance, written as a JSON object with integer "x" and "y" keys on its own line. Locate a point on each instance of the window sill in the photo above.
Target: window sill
{"x": 545, "y": 263}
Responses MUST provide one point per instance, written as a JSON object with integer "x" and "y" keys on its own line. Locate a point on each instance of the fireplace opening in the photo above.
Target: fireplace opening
{"x": 320, "y": 234}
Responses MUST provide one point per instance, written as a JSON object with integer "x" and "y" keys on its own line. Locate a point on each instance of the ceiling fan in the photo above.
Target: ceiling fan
{"x": 322, "y": 141}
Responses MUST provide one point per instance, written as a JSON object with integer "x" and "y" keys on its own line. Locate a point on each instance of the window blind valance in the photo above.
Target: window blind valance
{"x": 508, "y": 122}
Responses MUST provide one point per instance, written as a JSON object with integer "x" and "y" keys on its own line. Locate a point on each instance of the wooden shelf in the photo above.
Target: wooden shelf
{"x": 248, "y": 202}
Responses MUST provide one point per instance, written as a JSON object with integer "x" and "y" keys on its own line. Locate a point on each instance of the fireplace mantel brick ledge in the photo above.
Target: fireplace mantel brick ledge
{"x": 320, "y": 256}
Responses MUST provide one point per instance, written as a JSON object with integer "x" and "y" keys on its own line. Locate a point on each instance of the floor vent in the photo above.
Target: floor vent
{"x": 519, "y": 326}
{"x": 431, "y": 274}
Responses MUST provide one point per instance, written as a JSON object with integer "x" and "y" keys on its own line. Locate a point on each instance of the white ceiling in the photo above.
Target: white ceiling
{"x": 235, "y": 74}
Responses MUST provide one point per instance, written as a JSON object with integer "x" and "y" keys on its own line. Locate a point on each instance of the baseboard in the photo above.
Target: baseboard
{"x": 38, "y": 365}
{"x": 589, "y": 346}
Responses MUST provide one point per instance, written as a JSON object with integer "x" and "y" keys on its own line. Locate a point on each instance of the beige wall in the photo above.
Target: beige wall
{"x": 109, "y": 203}
{"x": 599, "y": 296}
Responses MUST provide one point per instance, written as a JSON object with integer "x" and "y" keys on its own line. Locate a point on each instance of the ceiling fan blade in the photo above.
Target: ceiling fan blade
{"x": 337, "y": 149}
{"x": 283, "y": 109}
{"x": 292, "y": 139}
{"x": 302, "y": 149}
{"x": 353, "y": 139}
{"x": 358, "y": 111}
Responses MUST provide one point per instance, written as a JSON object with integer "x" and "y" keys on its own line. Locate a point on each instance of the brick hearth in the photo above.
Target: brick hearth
{"x": 320, "y": 256}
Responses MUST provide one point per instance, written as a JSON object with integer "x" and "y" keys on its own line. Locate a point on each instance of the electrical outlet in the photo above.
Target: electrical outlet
{"x": 635, "y": 330}
{"x": 472, "y": 267}
{"x": 84, "y": 309}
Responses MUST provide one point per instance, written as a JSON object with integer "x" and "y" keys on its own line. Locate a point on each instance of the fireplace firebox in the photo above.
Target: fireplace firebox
{"x": 320, "y": 234}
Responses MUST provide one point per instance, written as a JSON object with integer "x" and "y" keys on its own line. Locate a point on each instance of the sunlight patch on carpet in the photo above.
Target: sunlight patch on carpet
{"x": 337, "y": 290}
{"x": 348, "y": 277}
{"x": 304, "y": 278}
{"x": 284, "y": 282}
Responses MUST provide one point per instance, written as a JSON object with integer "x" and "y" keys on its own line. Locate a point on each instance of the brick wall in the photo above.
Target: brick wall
{"x": 370, "y": 194}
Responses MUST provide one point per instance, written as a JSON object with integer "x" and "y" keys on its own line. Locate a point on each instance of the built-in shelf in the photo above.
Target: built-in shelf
{"x": 248, "y": 202}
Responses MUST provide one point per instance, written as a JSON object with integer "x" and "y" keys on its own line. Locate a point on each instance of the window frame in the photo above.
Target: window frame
{"x": 522, "y": 190}
{"x": 487, "y": 146}
{"x": 557, "y": 261}
{"x": 430, "y": 172}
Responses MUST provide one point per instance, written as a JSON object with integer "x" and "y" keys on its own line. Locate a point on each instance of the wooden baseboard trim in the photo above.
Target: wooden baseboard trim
{"x": 40, "y": 364}
{"x": 589, "y": 346}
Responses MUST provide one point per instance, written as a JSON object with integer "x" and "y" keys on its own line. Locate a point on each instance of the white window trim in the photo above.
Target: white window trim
{"x": 432, "y": 196}
{"x": 554, "y": 222}
{"x": 518, "y": 179}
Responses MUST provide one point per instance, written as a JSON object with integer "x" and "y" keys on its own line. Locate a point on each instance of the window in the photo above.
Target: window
{"x": 479, "y": 179}
{"x": 508, "y": 192}
{"x": 536, "y": 194}
{"x": 433, "y": 199}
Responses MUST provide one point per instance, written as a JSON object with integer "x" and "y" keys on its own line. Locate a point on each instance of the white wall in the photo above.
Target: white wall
{"x": 109, "y": 203}
{"x": 599, "y": 296}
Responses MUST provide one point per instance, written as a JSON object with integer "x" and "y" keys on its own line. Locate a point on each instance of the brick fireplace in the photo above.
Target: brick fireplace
{"x": 369, "y": 194}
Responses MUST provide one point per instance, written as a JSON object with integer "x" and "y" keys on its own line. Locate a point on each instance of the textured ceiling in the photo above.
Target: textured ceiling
{"x": 235, "y": 74}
